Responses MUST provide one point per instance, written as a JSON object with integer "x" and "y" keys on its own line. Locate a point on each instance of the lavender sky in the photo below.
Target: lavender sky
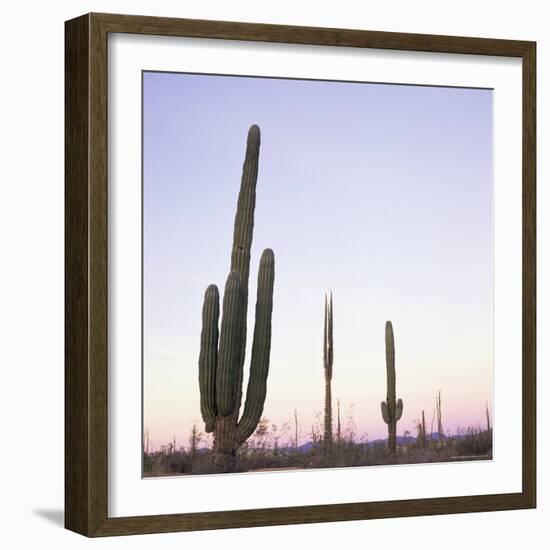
{"x": 382, "y": 193}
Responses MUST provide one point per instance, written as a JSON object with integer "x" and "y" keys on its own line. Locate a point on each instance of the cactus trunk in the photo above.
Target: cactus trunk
{"x": 328, "y": 356}
{"x": 225, "y": 444}
{"x": 222, "y": 352}
{"x": 391, "y": 409}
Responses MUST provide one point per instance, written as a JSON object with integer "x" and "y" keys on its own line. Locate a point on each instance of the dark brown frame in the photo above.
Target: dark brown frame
{"x": 86, "y": 274}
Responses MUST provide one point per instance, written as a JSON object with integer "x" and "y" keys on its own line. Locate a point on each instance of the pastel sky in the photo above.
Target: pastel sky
{"x": 382, "y": 193}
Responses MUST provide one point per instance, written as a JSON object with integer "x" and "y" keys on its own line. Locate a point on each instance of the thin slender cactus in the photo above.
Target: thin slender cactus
{"x": 391, "y": 409}
{"x": 487, "y": 416}
{"x": 424, "y": 426}
{"x": 147, "y": 442}
{"x": 295, "y": 430}
{"x": 440, "y": 431}
{"x": 328, "y": 358}
{"x": 421, "y": 428}
{"x": 193, "y": 441}
{"x": 338, "y": 424}
{"x": 222, "y": 352}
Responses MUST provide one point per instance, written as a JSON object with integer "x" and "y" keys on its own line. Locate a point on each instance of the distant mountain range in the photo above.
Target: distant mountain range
{"x": 401, "y": 440}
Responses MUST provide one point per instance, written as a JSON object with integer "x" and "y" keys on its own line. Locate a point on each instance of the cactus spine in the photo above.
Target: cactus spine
{"x": 222, "y": 353}
{"x": 328, "y": 357}
{"x": 391, "y": 409}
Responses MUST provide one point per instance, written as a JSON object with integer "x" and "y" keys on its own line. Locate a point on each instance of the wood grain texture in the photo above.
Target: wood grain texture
{"x": 529, "y": 277}
{"x": 86, "y": 274}
{"x": 77, "y": 153}
{"x": 165, "y": 26}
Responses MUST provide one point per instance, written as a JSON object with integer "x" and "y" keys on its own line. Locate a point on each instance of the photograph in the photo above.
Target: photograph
{"x": 317, "y": 274}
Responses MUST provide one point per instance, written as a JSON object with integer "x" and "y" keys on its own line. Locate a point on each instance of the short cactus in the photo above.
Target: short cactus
{"x": 221, "y": 358}
{"x": 391, "y": 410}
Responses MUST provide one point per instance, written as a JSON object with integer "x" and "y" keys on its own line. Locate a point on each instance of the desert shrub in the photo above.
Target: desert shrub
{"x": 176, "y": 463}
{"x": 475, "y": 443}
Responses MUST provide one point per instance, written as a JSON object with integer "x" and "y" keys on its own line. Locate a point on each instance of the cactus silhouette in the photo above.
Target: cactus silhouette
{"x": 222, "y": 353}
{"x": 328, "y": 357}
{"x": 391, "y": 409}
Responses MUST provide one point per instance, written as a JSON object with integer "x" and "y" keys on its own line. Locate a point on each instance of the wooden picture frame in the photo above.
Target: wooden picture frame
{"x": 86, "y": 279}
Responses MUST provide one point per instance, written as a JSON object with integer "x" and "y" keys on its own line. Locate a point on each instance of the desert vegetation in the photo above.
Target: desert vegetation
{"x": 273, "y": 447}
{"x": 240, "y": 441}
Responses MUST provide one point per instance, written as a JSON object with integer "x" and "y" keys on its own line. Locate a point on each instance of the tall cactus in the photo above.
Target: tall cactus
{"x": 222, "y": 353}
{"x": 391, "y": 409}
{"x": 328, "y": 357}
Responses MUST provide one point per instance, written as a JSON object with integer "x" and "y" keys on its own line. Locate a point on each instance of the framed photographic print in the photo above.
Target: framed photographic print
{"x": 300, "y": 274}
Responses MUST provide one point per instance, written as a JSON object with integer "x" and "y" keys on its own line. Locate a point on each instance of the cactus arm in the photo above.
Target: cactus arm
{"x": 242, "y": 236}
{"x": 398, "y": 409}
{"x": 261, "y": 346}
{"x": 385, "y": 412}
{"x": 230, "y": 345}
{"x": 208, "y": 357}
